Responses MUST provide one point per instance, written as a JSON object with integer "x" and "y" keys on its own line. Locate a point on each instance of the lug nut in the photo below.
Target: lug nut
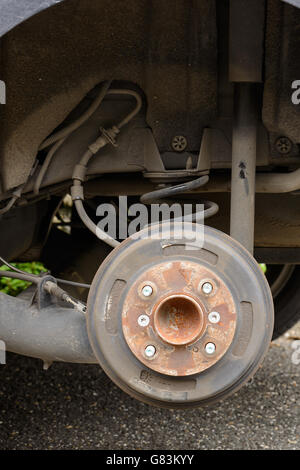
{"x": 147, "y": 291}
{"x": 143, "y": 320}
{"x": 210, "y": 348}
{"x": 214, "y": 317}
{"x": 207, "y": 288}
{"x": 150, "y": 351}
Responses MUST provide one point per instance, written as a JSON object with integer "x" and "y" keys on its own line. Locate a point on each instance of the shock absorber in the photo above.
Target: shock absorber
{"x": 245, "y": 71}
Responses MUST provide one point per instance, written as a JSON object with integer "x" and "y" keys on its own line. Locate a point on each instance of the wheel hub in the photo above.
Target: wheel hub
{"x": 178, "y": 323}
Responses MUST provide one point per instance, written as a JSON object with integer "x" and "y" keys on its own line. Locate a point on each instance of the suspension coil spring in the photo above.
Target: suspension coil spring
{"x": 163, "y": 196}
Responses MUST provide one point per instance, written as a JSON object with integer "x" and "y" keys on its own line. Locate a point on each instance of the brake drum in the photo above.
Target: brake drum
{"x": 175, "y": 324}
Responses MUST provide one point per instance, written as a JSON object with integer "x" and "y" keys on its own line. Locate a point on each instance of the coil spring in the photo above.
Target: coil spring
{"x": 162, "y": 196}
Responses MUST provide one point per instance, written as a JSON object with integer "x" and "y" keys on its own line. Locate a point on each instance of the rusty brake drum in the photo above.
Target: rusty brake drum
{"x": 178, "y": 324}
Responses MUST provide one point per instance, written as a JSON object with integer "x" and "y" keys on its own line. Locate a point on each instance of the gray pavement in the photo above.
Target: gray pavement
{"x": 77, "y": 407}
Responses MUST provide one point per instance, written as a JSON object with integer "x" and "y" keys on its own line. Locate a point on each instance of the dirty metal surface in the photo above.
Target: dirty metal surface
{"x": 66, "y": 50}
{"x": 114, "y": 320}
{"x": 178, "y": 327}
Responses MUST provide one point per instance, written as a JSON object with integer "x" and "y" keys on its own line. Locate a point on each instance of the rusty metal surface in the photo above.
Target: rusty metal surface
{"x": 236, "y": 269}
{"x": 178, "y": 310}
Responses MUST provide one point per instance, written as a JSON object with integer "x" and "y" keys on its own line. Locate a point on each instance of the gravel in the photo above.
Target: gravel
{"x": 78, "y": 407}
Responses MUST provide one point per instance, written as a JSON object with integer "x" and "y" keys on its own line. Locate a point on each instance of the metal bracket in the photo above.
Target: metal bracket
{"x": 41, "y": 298}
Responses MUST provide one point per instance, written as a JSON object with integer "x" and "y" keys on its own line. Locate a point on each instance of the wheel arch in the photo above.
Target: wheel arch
{"x": 14, "y": 12}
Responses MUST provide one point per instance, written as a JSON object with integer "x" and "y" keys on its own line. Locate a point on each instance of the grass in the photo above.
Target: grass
{"x": 15, "y": 286}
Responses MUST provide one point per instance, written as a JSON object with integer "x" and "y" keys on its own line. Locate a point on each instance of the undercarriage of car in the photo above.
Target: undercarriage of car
{"x": 170, "y": 133}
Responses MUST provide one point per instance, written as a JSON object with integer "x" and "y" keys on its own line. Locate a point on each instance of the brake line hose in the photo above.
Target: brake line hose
{"x": 9, "y": 205}
{"x": 107, "y": 137}
{"x": 49, "y": 286}
{"x": 57, "y": 139}
{"x": 63, "y": 133}
{"x": 34, "y": 277}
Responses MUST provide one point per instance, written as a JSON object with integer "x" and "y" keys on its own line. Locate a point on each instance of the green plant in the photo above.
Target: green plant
{"x": 16, "y": 286}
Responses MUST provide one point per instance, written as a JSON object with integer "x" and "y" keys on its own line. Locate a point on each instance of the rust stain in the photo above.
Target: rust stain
{"x": 178, "y": 312}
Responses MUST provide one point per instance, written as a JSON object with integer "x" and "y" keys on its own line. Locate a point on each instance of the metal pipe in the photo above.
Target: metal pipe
{"x": 133, "y": 185}
{"x": 51, "y": 334}
{"x": 66, "y": 131}
{"x": 276, "y": 183}
{"x": 21, "y": 276}
{"x": 266, "y": 183}
{"x": 92, "y": 226}
{"x": 244, "y": 164}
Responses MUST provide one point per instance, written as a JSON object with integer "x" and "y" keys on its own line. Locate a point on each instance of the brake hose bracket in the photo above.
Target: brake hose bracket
{"x": 108, "y": 136}
{"x": 42, "y": 298}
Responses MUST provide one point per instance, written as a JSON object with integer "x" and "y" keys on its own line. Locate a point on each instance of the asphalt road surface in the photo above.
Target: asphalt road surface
{"x": 77, "y": 407}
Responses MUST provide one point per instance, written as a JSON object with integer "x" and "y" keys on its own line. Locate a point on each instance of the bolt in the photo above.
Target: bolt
{"x": 150, "y": 350}
{"x": 210, "y": 348}
{"x": 147, "y": 291}
{"x": 143, "y": 320}
{"x": 283, "y": 145}
{"x": 179, "y": 143}
{"x": 214, "y": 317}
{"x": 207, "y": 288}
